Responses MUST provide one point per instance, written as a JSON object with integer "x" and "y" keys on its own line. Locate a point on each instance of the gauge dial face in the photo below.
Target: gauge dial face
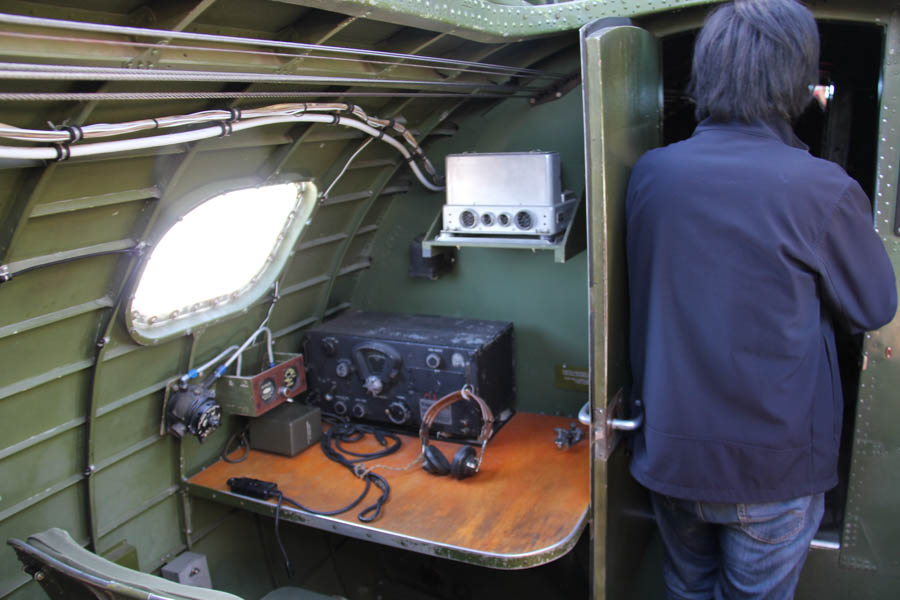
{"x": 376, "y": 361}
{"x": 290, "y": 378}
{"x": 267, "y": 391}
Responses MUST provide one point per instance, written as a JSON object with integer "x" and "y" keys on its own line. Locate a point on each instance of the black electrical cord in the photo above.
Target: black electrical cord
{"x": 288, "y": 566}
{"x": 332, "y": 445}
{"x": 284, "y": 499}
{"x": 345, "y": 433}
{"x": 240, "y": 436}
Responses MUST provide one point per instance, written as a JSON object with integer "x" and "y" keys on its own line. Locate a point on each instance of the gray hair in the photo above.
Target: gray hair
{"x": 755, "y": 59}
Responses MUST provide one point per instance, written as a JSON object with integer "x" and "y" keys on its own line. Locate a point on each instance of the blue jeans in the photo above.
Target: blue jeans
{"x": 735, "y": 551}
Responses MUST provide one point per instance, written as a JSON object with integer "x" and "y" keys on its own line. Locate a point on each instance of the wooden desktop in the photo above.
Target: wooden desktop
{"x": 527, "y": 505}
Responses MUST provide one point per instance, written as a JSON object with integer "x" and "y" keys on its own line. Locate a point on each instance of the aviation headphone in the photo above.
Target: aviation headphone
{"x": 466, "y": 462}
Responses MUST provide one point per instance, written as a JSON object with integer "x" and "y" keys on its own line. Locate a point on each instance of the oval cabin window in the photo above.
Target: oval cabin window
{"x": 218, "y": 258}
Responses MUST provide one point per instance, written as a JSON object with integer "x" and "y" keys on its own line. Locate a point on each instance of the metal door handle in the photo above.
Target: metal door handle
{"x": 627, "y": 424}
{"x": 584, "y": 417}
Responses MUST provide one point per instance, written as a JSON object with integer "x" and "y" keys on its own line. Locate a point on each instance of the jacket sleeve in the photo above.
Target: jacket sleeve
{"x": 857, "y": 276}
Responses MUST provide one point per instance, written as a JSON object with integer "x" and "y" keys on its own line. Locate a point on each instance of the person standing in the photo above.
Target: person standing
{"x": 745, "y": 253}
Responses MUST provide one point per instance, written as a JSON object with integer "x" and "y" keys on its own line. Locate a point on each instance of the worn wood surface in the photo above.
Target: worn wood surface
{"x": 529, "y": 496}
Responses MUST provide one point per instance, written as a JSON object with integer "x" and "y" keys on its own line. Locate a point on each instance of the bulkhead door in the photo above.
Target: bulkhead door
{"x": 622, "y": 118}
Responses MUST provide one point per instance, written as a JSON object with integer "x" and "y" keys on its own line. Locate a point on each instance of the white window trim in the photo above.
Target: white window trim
{"x": 168, "y": 329}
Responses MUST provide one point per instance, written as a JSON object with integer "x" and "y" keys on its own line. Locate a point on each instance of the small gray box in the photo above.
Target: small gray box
{"x": 288, "y": 429}
{"x": 503, "y": 178}
{"x": 188, "y": 568}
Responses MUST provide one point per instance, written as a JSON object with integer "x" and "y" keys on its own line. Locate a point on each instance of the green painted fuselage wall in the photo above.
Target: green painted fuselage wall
{"x": 62, "y": 394}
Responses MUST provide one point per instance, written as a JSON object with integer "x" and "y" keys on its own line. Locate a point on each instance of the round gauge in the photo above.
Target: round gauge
{"x": 290, "y": 378}
{"x": 342, "y": 369}
{"x": 267, "y": 390}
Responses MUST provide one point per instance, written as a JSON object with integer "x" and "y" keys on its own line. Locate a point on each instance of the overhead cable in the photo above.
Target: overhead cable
{"x": 42, "y": 72}
{"x": 184, "y": 35}
{"x": 475, "y": 68}
{"x": 154, "y": 96}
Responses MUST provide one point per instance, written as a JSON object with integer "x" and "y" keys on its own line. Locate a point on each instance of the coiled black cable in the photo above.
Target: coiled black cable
{"x": 346, "y": 433}
{"x": 332, "y": 444}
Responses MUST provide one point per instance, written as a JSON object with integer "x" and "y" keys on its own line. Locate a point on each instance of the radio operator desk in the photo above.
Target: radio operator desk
{"x": 525, "y": 507}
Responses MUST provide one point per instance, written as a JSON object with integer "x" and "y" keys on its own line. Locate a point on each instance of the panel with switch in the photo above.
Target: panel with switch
{"x": 254, "y": 395}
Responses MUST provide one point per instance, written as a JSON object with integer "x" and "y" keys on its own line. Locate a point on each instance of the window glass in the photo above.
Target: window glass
{"x": 217, "y": 253}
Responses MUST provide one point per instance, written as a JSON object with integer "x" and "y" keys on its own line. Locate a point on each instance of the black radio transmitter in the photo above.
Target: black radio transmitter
{"x": 387, "y": 369}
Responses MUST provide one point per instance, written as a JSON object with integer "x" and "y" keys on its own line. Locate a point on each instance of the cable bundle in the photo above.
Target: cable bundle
{"x": 65, "y": 141}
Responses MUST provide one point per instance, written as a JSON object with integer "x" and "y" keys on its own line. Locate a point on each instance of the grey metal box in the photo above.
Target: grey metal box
{"x": 503, "y": 178}
{"x": 188, "y": 568}
{"x": 510, "y": 220}
{"x": 288, "y": 429}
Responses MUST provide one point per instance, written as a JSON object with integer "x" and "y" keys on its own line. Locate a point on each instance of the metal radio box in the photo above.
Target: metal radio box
{"x": 503, "y": 178}
{"x": 508, "y": 193}
{"x": 288, "y": 429}
{"x": 387, "y": 369}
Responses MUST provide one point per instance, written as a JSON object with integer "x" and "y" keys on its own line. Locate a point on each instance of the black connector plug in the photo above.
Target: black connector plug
{"x": 255, "y": 488}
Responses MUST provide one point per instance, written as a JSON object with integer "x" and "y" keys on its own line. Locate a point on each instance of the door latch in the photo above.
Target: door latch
{"x": 606, "y": 422}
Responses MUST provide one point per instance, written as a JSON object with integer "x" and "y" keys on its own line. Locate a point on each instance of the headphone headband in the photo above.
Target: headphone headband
{"x": 466, "y": 393}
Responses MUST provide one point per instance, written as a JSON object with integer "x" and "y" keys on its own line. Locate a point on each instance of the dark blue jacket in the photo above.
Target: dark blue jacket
{"x": 744, "y": 253}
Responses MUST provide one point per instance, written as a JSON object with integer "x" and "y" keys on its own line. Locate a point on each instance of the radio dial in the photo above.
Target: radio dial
{"x": 343, "y": 368}
{"x": 398, "y": 412}
{"x": 433, "y": 360}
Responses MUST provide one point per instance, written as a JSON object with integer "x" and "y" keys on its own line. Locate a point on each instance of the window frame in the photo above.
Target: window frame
{"x": 185, "y": 325}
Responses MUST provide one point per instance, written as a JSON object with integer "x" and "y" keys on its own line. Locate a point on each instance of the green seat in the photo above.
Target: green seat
{"x": 294, "y": 593}
{"x": 67, "y": 571}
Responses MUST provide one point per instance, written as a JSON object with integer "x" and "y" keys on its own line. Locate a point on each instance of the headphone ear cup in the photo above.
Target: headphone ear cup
{"x": 464, "y": 463}
{"x": 434, "y": 461}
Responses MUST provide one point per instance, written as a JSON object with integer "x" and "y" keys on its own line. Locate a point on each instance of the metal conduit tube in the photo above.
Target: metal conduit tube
{"x": 482, "y": 70}
{"x": 78, "y": 73}
{"x": 182, "y": 35}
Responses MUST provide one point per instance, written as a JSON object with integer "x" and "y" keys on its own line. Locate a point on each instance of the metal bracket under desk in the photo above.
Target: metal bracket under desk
{"x": 527, "y": 506}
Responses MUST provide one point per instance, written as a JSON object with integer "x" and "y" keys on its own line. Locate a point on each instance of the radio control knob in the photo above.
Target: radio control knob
{"x": 329, "y": 346}
{"x": 398, "y": 412}
{"x": 340, "y": 408}
{"x": 358, "y": 411}
{"x": 433, "y": 360}
{"x": 374, "y": 385}
{"x": 343, "y": 368}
